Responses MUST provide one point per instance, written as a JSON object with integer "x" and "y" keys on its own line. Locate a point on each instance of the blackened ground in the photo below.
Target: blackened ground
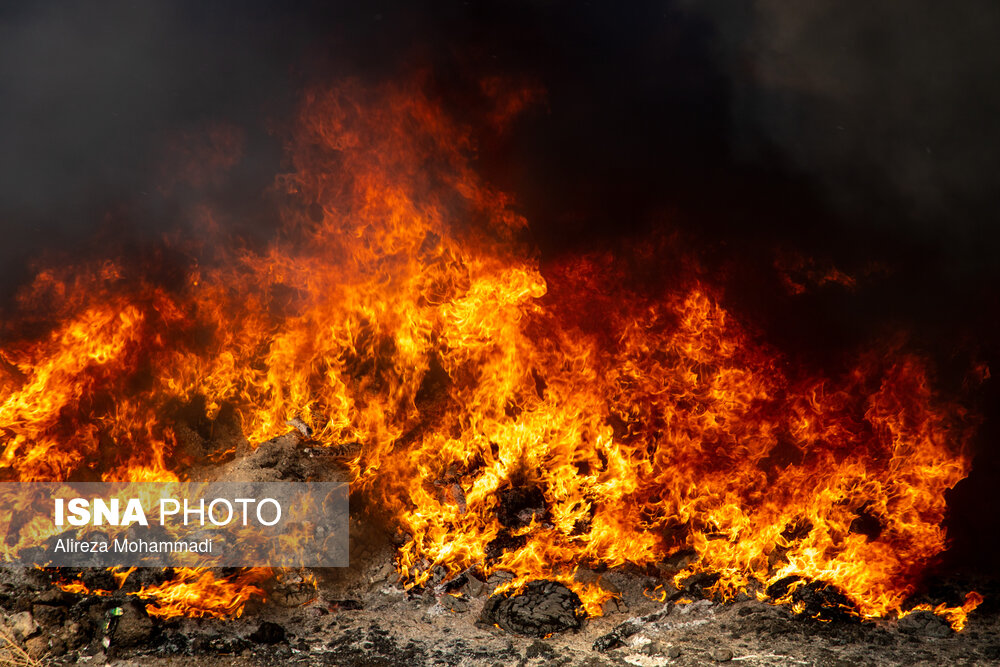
{"x": 859, "y": 137}
{"x": 362, "y": 618}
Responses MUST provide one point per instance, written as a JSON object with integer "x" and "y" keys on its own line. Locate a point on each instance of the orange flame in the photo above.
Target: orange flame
{"x": 192, "y": 592}
{"x": 397, "y": 310}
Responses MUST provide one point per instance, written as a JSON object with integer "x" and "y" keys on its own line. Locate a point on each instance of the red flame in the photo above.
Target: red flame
{"x": 396, "y": 310}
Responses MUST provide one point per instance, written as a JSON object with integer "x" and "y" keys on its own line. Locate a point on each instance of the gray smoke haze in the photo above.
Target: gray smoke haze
{"x": 90, "y": 91}
{"x": 92, "y": 95}
{"x": 888, "y": 109}
{"x": 892, "y": 106}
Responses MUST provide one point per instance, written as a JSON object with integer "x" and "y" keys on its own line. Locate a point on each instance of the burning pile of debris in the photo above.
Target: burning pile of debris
{"x": 546, "y": 447}
{"x": 365, "y": 614}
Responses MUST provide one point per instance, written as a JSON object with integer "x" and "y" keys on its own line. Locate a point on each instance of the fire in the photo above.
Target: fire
{"x": 192, "y": 592}
{"x": 509, "y": 416}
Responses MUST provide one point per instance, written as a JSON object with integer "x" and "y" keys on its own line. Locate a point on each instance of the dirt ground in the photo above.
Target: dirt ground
{"x": 362, "y": 618}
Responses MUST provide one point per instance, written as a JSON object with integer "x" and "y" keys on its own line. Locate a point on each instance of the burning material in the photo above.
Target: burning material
{"x": 397, "y": 318}
{"x": 194, "y": 592}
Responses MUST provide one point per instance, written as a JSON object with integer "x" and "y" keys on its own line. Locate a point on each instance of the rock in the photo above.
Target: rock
{"x": 614, "y": 581}
{"x": 48, "y": 616}
{"x": 474, "y": 586}
{"x": 268, "y": 633}
{"x": 54, "y": 596}
{"x": 678, "y": 561}
{"x": 383, "y": 573}
{"x": 673, "y": 652}
{"x": 57, "y": 647}
{"x": 924, "y": 623}
{"x": 543, "y": 607}
{"x": 614, "y": 605}
{"x": 438, "y": 575}
{"x": 292, "y": 589}
{"x": 134, "y": 626}
{"x": 23, "y": 624}
{"x": 652, "y": 647}
{"x": 73, "y": 634}
{"x": 626, "y": 629}
{"x": 698, "y": 584}
{"x": 539, "y": 649}
{"x": 721, "y": 654}
{"x": 455, "y": 603}
{"x": 497, "y": 579}
{"x": 608, "y": 642}
{"x": 616, "y": 638}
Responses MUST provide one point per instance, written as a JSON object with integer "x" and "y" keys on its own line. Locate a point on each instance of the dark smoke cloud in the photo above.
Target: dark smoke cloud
{"x": 94, "y": 94}
{"x": 863, "y": 132}
{"x": 891, "y": 106}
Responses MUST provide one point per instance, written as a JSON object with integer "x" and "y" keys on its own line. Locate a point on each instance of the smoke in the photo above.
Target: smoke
{"x": 889, "y": 107}
{"x": 866, "y": 130}
{"x": 100, "y": 99}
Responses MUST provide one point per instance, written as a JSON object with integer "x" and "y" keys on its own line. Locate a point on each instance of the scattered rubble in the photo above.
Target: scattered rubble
{"x": 268, "y": 633}
{"x": 721, "y": 654}
{"x": 351, "y": 622}
{"x": 132, "y": 626}
{"x": 362, "y": 616}
{"x": 924, "y": 623}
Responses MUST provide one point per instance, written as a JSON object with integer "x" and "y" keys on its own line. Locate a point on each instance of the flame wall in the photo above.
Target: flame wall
{"x": 508, "y": 416}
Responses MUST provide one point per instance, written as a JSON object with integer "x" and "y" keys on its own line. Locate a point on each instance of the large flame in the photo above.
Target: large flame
{"x": 502, "y": 426}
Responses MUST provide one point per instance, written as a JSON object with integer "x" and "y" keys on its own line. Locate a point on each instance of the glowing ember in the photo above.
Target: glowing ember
{"x": 502, "y": 428}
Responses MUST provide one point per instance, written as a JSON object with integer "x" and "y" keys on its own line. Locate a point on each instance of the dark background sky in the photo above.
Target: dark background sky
{"x": 857, "y": 133}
